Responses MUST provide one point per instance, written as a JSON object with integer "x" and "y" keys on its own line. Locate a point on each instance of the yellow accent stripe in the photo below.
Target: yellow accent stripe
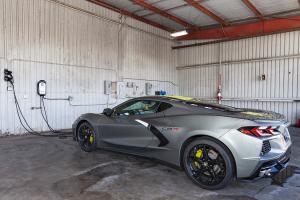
{"x": 257, "y": 114}
{"x": 181, "y": 97}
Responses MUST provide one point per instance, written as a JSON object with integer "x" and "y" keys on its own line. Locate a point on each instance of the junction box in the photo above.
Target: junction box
{"x": 148, "y": 88}
{"x": 107, "y": 87}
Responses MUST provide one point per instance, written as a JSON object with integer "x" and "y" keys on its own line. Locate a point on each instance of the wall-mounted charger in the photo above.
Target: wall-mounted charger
{"x": 41, "y": 88}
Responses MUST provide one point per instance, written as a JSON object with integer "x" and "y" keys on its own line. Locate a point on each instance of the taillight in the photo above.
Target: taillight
{"x": 259, "y": 131}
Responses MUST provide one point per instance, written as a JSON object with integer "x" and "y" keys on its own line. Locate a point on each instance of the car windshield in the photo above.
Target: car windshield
{"x": 200, "y": 103}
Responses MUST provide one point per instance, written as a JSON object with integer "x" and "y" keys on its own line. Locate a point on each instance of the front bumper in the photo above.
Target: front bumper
{"x": 74, "y": 125}
{"x": 272, "y": 167}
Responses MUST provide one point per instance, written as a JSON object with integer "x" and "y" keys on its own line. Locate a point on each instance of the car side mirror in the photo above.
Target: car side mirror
{"x": 108, "y": 112}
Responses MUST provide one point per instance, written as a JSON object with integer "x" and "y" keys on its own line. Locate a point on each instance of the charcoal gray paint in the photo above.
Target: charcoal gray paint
{"x": 124, "y": 134}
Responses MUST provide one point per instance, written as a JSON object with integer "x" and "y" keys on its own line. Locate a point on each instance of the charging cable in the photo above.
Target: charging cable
{"x": 24, "y": 123}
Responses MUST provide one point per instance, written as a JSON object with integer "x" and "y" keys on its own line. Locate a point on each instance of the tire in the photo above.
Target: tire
{"x": 208, "y": 163}
{"x": 86, "y": 137}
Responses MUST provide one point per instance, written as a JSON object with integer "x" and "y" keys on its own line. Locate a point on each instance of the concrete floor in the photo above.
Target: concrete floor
{"x": 51, "y": 168}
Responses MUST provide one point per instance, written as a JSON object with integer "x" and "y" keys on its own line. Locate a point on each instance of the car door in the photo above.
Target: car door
{"x": 130, "y": 124}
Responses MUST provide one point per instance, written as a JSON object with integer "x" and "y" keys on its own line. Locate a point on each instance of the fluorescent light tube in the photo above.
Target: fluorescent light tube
{"x": 179, "y": 33}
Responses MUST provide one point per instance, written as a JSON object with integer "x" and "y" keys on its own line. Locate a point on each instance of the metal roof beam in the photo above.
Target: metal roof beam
{"x": 156, "y": 10}
{"x": 129, "y": 14}
{"x": 204, "y": 10}
{"x": 247, "y": 30}
{"x": 253, "y": 9}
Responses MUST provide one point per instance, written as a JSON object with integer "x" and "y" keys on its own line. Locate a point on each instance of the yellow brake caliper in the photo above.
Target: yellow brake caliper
{"x": 91, "y": 137}
{"x": 198, "y": 154}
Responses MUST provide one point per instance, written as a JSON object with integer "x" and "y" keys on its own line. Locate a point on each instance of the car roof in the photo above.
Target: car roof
{"x": 172, "y": 99}
{"x": 188, "y": 102}
{"x": 167, "y": 98}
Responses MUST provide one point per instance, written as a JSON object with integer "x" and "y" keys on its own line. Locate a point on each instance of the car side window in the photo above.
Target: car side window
{"x": 140, "y": 107}
{"x": 164, "y": 106}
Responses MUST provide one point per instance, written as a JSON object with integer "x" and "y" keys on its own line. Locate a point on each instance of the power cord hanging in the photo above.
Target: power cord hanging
{"x": 22, "y": 117}
{"x": 9, "y": 78}
{"x": 45, "y": 116}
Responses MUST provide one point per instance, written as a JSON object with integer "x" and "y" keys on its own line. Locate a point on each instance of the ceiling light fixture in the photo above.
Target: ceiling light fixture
{"x": 179, "y": 33}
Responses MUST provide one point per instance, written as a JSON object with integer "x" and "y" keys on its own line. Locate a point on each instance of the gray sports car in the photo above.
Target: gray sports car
{"x": 213, "y": 143}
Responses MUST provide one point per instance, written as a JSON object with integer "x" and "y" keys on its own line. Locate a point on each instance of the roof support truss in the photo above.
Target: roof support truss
{"x": 156, "y": 10}
{"x": 204, "y": 10}
{"x": 129, "y": 14}
{"x": 253, "y": 9}
{"x": 247, "y": 30}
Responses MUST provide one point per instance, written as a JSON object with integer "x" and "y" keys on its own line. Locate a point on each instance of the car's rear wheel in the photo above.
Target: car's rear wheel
{"x": 208, "y": 163}
{"x": 86, "y": 137}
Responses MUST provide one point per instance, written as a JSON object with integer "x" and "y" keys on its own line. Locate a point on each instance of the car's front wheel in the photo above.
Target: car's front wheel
{"x": 86, "y": 137}
{"x": 208, "y": 163}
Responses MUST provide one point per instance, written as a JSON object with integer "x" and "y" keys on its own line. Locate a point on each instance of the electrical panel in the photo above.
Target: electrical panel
{"x": 121, "y": 90}
{"x": 148, "y": 89}
{"x": 135, "y": 90}
{"x": 107, "y": 87}
{"x": 41, "y": 88}
{"x": 130, "y": 85}
{"x": 128, "y": 90}
{"x": 114, "y": 87}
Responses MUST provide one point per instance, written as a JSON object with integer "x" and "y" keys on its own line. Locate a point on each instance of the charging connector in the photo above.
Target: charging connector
{"x": 8, "y": 75}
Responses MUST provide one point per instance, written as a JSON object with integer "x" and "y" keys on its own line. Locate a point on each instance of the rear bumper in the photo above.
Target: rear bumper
{"x": 250, "y": 154}
{"x": 271, "y": 167}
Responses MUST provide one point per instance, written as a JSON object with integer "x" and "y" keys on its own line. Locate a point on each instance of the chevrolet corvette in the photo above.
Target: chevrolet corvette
{"x": 214, "y": 144}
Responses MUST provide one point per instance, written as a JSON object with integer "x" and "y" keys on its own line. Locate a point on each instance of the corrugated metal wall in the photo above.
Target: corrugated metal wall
{"x": 242, "y": 63}
{"x": 74, "y": 51}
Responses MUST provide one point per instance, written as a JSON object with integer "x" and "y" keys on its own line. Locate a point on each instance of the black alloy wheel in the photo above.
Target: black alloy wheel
{"x": 208, "y": 163}
{"x": 86, "y": 137}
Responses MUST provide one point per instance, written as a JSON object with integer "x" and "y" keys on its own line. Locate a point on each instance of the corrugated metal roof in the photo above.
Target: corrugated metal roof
{"x": 193, "y": 16}
{"x": 125, "y": 4}
{"x": 165, "y": 21}
{"x": 166, "y": 4}
{"x": 228, "y": 10}
{"x": 268, "y": 7}
{"x": 143, "y": 12}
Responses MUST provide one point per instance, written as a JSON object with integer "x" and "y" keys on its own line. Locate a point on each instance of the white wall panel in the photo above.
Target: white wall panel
{"x": 69, "y": 47}
{"x": 2, "y": 30}
{"x": 3, "y": 94}
{"x": 243, "y": 61}
{"x": 199, "y": 55}
{"x": 3, "y": 101}
{"x": 49, "y": 32}
{"x": 149, "y": 58}
{"x": 83, "y": 84}
{"x": 115, "y": 16}
{"x": 201, "y": 82}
